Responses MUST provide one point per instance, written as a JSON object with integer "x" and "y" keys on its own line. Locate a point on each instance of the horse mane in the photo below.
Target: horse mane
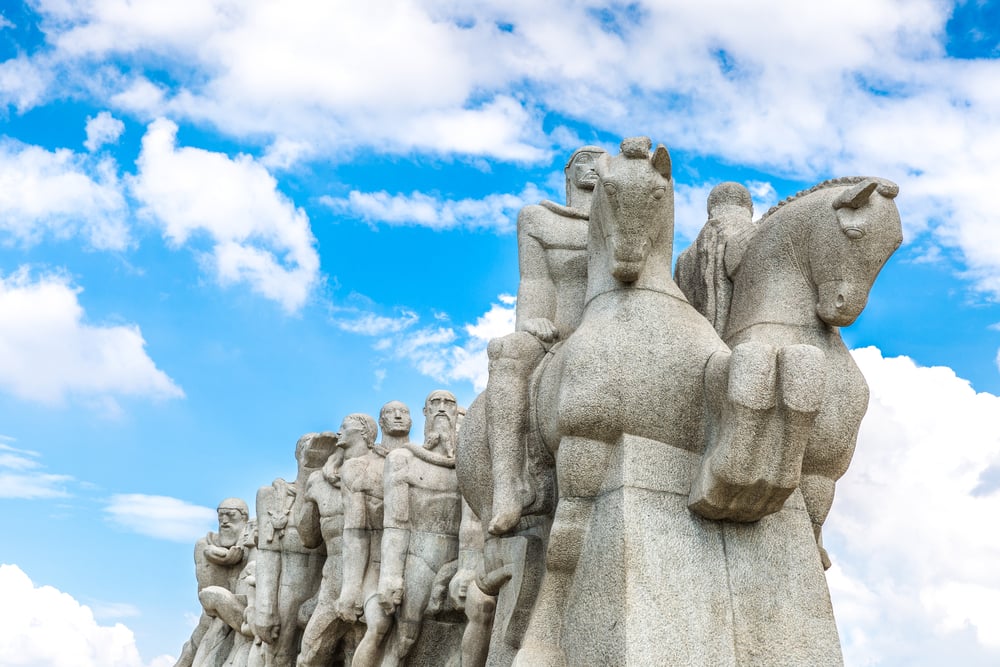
{"x": 886, "y": 188}
{"x": 737, "y": 245}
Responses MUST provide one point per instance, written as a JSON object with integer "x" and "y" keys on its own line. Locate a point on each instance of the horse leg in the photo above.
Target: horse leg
{"x": 512, "y": 360}
{"x": 817, "y": 491}
{"x": 802, "y": 381}
{"x": 581, "y": 465}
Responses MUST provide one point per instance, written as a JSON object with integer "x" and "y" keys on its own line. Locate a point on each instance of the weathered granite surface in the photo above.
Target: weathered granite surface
{"x": 643, "y": 481}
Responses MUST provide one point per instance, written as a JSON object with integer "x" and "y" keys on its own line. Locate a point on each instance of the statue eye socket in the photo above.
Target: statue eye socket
{"x": 611, "y": 188}
{"x": 854, "y": 233}
{"x": 659, "y": 192}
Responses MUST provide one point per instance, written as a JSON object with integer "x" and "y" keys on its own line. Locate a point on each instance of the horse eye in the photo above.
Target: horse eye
{"x": 610, "y": 188}
{"x": 659, "y": 192}
{"x": 854, "y": 233}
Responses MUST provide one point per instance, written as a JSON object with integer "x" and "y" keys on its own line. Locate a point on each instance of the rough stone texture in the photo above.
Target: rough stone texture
{"x": 692, "y": 591}
{"x": 652, "y": 463}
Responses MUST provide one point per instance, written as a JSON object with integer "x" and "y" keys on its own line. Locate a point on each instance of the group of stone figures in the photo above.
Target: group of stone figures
{"x": 653, "y": 457}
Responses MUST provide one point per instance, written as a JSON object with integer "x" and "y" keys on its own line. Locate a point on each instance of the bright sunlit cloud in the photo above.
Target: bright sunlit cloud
{"x": 161, "y": 517}
{"x": 44, "y": 627}
{"x": 914, "y": 555}
{"x": 49, "y": 352}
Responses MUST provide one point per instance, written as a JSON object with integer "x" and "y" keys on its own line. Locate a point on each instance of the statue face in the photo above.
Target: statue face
{"x": 231, "y": 526}
{"x": 351, "y": 437}
{"x": 441, "y": 413}
{"x": 395, "y": 419}
{"x": 582, "y": 172}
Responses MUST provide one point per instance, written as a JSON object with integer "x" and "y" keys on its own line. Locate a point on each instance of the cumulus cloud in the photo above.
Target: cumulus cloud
{"x": 162, "y": 517}
{"x": 102, "y": 129}
{"x": 495, "y": 211}
{"x": 48, "y": 351}
{"x": 44, "y": 627}
{"x": 257, "y": 235}
{"x": 450, "y": 355}
{"x": 914, "y": 581}
{"x": 62, "y": 194}
{"x": 21, "y": 476}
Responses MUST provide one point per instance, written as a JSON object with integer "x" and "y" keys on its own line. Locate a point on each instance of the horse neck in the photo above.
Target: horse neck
{"x": 655, "y": 276}
{"x": 773, "y": 282}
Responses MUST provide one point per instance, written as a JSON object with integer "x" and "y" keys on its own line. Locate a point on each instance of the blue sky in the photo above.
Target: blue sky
{"x": 225, "y": 224}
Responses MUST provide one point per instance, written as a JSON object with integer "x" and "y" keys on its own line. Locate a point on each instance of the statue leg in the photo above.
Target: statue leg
{"x": 479, "y": 609}
{"x": 581, "y": 465}
{"x": 378, "y": 625}
{"x": 323, "y": 632}
{"x": 512, "y": 359}
{"x": 191, "y": 645}
{"x": 802, "y": 379}
{"x": 418, "y": 582}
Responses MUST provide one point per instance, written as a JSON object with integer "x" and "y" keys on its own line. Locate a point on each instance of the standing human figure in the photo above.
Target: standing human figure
{"x": 321, "y": 519}
{"x": 422, "y": 519}
{"x": 288, "y": 572}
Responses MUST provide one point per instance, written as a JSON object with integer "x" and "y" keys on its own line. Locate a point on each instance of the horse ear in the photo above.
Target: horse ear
{"x": 661, "y": 161}
{"x": 856, "y": 195}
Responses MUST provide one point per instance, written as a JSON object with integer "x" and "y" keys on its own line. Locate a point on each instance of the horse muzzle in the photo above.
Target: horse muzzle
{"x": 838, "y": 303}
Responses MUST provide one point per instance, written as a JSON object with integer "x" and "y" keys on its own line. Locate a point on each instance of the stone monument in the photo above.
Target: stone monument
{"x": 643, "y": 482}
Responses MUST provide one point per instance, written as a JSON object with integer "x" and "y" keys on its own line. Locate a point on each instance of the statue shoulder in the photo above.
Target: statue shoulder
{"x": 399, "y": 459}
{"x": 353, "y": 472}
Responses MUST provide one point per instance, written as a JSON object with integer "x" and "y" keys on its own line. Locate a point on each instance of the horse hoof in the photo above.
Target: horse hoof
{"x": 538, "y": 655}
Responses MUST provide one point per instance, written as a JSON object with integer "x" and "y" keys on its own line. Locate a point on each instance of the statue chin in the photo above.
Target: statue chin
{"x": 627, "y": 272}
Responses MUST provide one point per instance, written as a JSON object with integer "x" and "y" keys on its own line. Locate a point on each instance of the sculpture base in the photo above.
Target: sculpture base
{"x": 658, "y": 585}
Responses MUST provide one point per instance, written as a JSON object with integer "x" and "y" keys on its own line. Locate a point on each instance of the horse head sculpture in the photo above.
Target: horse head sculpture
{"x": 631, "y": 214}
{"x": 846, "y": 258}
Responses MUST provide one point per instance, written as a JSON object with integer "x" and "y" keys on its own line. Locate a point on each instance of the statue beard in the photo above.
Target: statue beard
{"x": 230, "y": 536}
{"x": 439, "y": 434}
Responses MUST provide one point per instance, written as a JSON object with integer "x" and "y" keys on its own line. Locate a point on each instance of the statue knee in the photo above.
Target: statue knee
{"x": 408, "y": 633}
{"x": 519, "y": 346}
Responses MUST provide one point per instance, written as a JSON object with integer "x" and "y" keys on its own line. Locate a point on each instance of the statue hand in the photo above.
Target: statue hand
{"x": 348, "y": 608}
{"x": 390, "y": 595}
{"x": 542, "y": 328}
{"x": 459, "y": 587}
{"x": 266, "y": 626}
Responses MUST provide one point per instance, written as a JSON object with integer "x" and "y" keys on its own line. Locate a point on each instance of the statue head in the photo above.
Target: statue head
{"x": 729, "y": 197}
{"x": 581, "y": 175}
{"x": 440, "y": 420}
{"x": 395, "y": 419}
{"x": 313, "y": 449}
{"x": 233, "y": 516}
{"x": 357, "y": 433}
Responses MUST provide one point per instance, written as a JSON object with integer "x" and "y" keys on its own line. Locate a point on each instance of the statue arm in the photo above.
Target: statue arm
{"x": 357, "y": 543}
{"x": 470, "y": 556}
{"x": 266, "y": 623}
{"x": 307, "y": 518}
{"x": 396, "y": 532}
{"x": 536, "y": 292}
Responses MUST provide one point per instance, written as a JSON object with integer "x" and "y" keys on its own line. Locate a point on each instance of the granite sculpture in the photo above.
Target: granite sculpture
{"x": 218, "y": 560}
{"x": 321, "y": 521}
{"x": 288, "y": 572}
{"x": 643, "y": 481}
{"x": 422, "y": 518}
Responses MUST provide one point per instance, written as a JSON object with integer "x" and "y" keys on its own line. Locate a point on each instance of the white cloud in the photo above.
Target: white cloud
{"x": 910, "y": 528}
{"x": 47, "y": 351}
{"x": 495, "y": 211}
{"x": 370, "y": 324}
{"x": 103, "y": 129}
{"x": 61, "y": 193}
{"x": 258, "y": 236}
{"x": 448, "y": 356}
{"x": 43, "y": 627}
{"x": 23, "y": 82}
{"x": 20, "y": 476}
{"x": 161, "y": 517}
